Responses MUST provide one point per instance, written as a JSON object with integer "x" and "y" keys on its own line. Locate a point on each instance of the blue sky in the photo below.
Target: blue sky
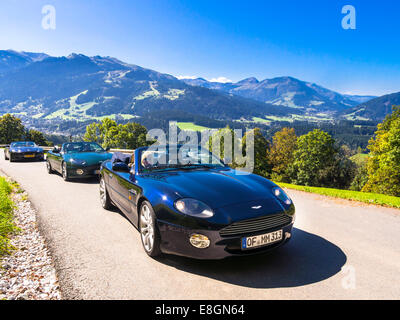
{"x": 231, "y": 39}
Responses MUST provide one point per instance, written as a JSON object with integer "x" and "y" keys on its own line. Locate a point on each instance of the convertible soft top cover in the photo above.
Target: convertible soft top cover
{"x": 120, "y": 157}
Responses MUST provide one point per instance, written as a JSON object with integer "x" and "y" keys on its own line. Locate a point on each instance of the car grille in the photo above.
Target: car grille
{"x": 255, "y": 225}
{"x": 23, "y": 154}
{"x": 91, "y": 168}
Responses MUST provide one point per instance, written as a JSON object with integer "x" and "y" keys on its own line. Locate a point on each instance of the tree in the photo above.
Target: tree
{"x": 11, "y": 129}
{"x": 102, "y": 132}
{"x": 360, "y": 178}
{"x": 93, "y": 133}
{"x": 218, "y": 139}
{"x": 314, "y": 159}
{"x": 110, "y": 135}
{"x": 340, "y": 172}
{"x": 281, "y": 154}
{"x": 131, "y": 136}
{"x": 384, "y": 161}
{"x": 261, "y": 146}
{"x": 37, "y": 137}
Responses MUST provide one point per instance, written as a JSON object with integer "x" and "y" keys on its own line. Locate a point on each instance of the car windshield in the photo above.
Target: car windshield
{"x": 23, "y": 144}
{"x": 184, "y": 157}
{"x": 74, "y": 147}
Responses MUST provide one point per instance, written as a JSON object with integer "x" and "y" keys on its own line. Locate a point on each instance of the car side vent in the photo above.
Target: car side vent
{"x": 255, "y": 225}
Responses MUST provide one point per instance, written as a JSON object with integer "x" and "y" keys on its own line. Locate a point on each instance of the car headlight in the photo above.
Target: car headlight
{"x": 281, "y": 195}
{"x": 78, "y": 162}
{"x": 193, "y": 207}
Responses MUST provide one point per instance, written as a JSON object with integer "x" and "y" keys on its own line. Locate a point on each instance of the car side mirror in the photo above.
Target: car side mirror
{"x": 120, "y": 167}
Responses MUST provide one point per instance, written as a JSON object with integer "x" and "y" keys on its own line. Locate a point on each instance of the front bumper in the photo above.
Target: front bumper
{"x": 175, "y": 240}
{"x": 76, "y": 171}
{"x": 28, "y": 156}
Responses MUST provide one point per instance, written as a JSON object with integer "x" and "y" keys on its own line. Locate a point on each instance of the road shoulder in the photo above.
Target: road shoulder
{"x": 28, "y": 272}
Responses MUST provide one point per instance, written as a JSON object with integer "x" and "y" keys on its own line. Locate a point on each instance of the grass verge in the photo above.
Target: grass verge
{"x": 370, "y": 198}
{"x": 6, "y": 218}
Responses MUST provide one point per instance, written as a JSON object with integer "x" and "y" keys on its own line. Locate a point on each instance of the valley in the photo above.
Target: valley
{"x": 62, "y": 95}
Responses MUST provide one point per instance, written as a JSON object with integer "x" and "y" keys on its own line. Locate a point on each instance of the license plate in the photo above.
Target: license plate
{"x": 96, "y": 171}
{"x": 29, "y": 156}
{"x": 261, "y": 240}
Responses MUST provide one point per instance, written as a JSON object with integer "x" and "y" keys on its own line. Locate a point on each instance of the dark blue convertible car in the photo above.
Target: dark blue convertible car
{"x": 195, "y": 205}
{"x": 23, "y": 150}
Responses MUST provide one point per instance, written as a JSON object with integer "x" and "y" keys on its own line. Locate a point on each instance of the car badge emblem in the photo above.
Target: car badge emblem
{"x": 256, "y": 207}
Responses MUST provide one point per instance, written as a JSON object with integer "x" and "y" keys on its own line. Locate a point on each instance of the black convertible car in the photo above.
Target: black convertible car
{"x": 23, "y": 150}
{"x": 199, "y": 209}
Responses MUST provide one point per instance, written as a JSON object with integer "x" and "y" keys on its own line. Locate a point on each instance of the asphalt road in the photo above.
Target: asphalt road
{"x": 339, "y": 250}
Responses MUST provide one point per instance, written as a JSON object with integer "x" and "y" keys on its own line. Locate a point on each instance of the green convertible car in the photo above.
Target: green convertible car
{"x": 77, "y": 159}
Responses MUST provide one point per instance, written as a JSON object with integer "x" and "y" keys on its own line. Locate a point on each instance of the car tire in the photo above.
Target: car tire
{"x": 49, "y": 168}
{"x": 5, "y": 156}
{"x": 11, "y": 158}
{"x": 64, "y": 171}
{"x": 149, "y": 233}
{"x": 104, "y": 196}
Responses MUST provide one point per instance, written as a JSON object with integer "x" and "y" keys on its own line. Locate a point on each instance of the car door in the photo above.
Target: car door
{"x": 55, "y": 159}
{"x": 123, "y": 186}
{"x": 50, "y": 157}
{"x": 110, "y": 179}
{"x": 126, "y": 190}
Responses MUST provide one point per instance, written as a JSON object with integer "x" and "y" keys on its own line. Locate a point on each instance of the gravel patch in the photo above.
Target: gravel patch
{"x": 28, "y": 273}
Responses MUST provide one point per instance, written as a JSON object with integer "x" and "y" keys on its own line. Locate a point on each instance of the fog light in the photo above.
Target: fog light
{"x": 199, "y": 241}
{"x": 79, "y": 171}
{"x": 287, "y": 235}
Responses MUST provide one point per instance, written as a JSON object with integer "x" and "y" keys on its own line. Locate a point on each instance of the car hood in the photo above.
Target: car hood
{"x": 216, "y": 188}
{"x": 91, "y": 158}
{"x": 26, "y": 149}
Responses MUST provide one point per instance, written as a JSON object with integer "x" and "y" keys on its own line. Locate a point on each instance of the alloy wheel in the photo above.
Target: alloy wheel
{"x": 48, "y": 166}
{"x": 147, "y": 228}
{"x": 64, "y": 171}
{"x": 103, "y": 193}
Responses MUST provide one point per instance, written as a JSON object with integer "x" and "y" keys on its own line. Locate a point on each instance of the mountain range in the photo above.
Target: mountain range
{"x": 42, "y": 89}
{"x": 78, "y": 87}
{"x": 376, "y": 108}
{"x": 285, "y": 91}
{"x": 11, "y": 60}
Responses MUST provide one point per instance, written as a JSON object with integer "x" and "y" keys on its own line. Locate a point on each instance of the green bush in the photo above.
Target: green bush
{"x": 6, "y": 218}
